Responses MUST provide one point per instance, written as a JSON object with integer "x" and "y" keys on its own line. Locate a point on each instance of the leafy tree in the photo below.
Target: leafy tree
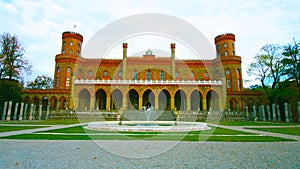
{"x": 12, "y": 60}
{"x": 268, "y": 69}
{"x": 41, "y": 82}
{"x": 291, "y": 62}
{"x": 11, "y": 90}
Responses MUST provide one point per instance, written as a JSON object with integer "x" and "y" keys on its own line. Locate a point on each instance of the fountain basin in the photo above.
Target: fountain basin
{"x": 148, "y": 126}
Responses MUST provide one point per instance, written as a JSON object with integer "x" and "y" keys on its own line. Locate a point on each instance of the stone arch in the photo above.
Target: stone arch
{"x": 53, "y": 101}
{"x": 116, "y": 100}
{"x": 45, "y": 102}
{"x": 242, "y": 106}
{"x": 84, "y": 100}
{"x": 233, "y": 104}
{"x": 148, "y": 98}
{"x": 62, "y": 102}
{"x": 133, "y": 100}
{"x": 196, "y": 100}
{"x": 100, "y": 99}
{"x": 36, "y": 102}
{"x": 27, "y": 100}
{"x": 164, "y": 100}
{"x": 212, "y": 100}
{"x": 250, "y": 104}
{"x": 180, "y": 100}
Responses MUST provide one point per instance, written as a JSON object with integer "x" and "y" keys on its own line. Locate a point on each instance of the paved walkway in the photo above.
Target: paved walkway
{"x": 264, "y": 133}
{"x": 147, "y": 154}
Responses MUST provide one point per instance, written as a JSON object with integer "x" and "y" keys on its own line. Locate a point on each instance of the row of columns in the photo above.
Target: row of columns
{"x": 93, "y": 103}
{"x": 22, "y": 113}
{"x": 272, "y": 113}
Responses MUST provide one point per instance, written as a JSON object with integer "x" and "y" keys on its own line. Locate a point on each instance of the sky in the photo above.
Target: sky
{"x": 39, "y": 25}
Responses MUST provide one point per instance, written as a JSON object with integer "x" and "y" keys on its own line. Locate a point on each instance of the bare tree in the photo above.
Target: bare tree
{"x": 268, "y": 69}
{"x": 12, "y": 60}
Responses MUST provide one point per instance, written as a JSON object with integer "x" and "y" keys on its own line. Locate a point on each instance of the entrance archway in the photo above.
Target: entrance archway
{"x": 164, "y": 100}
{"x": 196, "y": 100}
{"x": 101, "y": 99}
{"x": 148, "y": 99}
{"x": 116, "y": 100}
{"x": 212, "y": 100}
{"x": 133, "y": 100}
{"x": 180, "y": 100}
{"x": 84, "y": 100}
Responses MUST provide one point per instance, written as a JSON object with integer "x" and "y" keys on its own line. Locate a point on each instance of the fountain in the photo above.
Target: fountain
{"x": 150, "y": 125}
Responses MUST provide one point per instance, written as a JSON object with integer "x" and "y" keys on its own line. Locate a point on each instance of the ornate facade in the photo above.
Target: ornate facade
{"x": 135, "y": 83}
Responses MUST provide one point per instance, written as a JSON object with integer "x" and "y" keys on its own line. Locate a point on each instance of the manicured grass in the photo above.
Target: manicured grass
{"x": 217, "y": 131}
{"x": 17, "y": 128}
{"x": 254, "y": 123}
{"x": 159, "y": 137}
{"x": 287, "y": 130}
{"x": 45, "y": 122}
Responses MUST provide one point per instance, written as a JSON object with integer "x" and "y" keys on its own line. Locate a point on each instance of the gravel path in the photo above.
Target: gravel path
{"x": 87, "y": 154}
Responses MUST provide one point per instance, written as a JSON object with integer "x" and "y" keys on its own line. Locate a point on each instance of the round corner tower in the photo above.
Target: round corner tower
{"x": 225, "y": 49}
{"x": 66, "y": 60}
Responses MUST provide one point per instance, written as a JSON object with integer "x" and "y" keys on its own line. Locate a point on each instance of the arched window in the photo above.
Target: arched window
{"x": 90, "y": 73}
{"x": 226, "y": 53}
{"x": 227, "y": 72}
{"x": 68, "y": 78}
{"x": 105, "y": 74}
{"x": 78, "y": 45}
{"x": 149, "y": 75}
{"x": 77, "y": 53}
{"x": 192, "y": 75}
{"x": 162, "y": 75}
{"x": 71, "y": 43}
{"x": 206, "y": 74}
{"x": 233, "y": 53}
{"x": 120, "y": 73}
{"x": 225, "y": 45}
{"x": 58, "y": 69}
{"x": 135, "y": 75}
{"x": 63, "y": 51}
{"x": 79, "y": 71}
{"x": 71, "y": 52}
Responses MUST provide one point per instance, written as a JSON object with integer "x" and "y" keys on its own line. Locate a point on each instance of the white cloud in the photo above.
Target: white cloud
{"x": 39, "y": 24}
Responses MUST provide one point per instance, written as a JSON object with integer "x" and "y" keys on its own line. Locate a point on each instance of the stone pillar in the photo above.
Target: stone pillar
{"x": 92, "y": 103}
{"x": 259, "y": 113}
{"x": 30, "y": 111}
{"x": 124, "y": 102}
{"x": 40, "y": 111}
{"x": 156, "y": 106}
{"x": 254, "y": 113}
{"x": 263, "y": 112}
{"x": 269, "y": 113}
{"x": 124, "y": 63}
{"x": 247, "y": 112}
{"x": 188, "y": 103}
{"x": 140, "y": 102}
{"x": 298, "y": 108}
{"x": 172, "y": 103}
{"x": 16, "y": 111}
{"x": 21, "y": 111}
{"x": 4, "y": 111}
{"x": 290, "y": 112}
{"x": 204, "y": 104}
{"x": 47, "y": 112}
{"x": 278, "y": 113}
{"x": 173, "y": 71}
{"x": 108, "y": 103}
{"x": 286, "y": 112}
{"x": 9, "y": 111}
{"x": 25, "y": 112}
{"x": 274, "y": 112}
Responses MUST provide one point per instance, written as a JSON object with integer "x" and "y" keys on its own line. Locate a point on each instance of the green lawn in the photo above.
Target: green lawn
{"x": 17, "y": 128}
{"x": 254, "y": 123}
{"x": 219, "y": 134}
{"x": 45, "y": 122}
{"x": 289, "y": 130}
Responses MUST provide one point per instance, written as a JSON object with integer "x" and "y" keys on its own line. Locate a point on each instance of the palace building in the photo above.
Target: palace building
{"x": 139, "y": 82}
